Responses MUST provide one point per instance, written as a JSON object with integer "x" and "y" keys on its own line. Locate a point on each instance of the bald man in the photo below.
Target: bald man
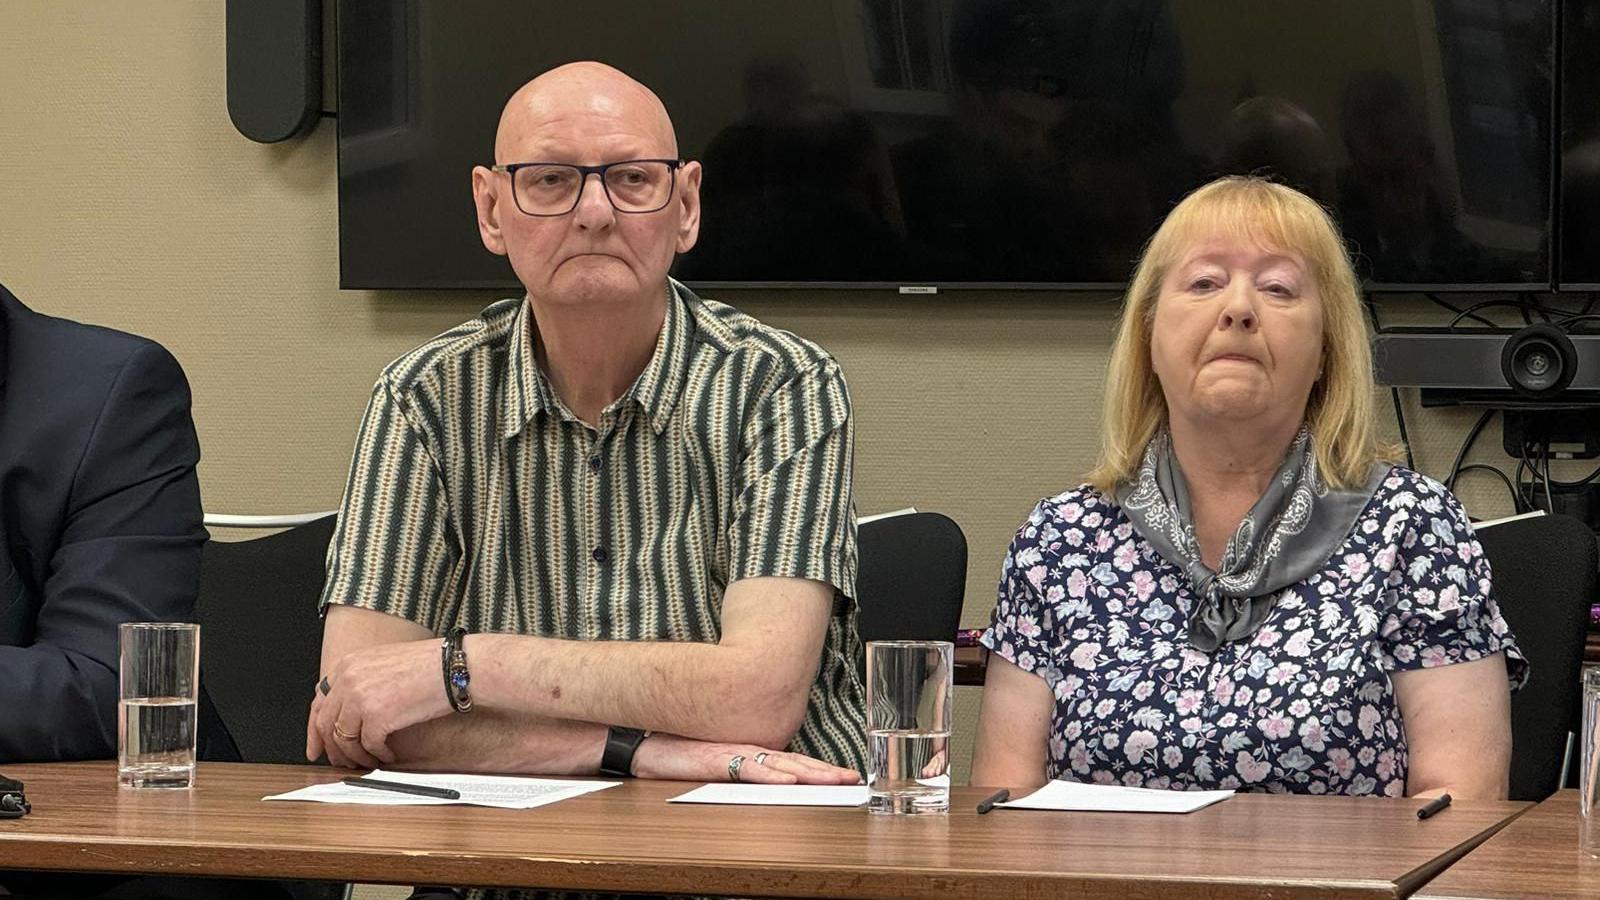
{"x": 605, "y": 527}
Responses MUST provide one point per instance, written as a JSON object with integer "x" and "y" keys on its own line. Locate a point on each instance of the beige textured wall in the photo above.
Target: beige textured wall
{"x": 129, "y": 200}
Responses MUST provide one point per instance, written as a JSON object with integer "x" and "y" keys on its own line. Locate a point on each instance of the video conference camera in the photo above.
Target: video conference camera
{"x": 1537, "y": 366}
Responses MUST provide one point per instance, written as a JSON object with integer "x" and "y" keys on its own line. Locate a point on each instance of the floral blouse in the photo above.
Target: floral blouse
{"x": 1304, "y": 706}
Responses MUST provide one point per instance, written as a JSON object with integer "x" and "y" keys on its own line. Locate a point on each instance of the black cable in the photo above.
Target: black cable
{"x": 1394, "y": 392}
{"x": 1520, "y": 304}
{"x": 1544, "y": 453}
{"x": 1530, "y": 302}
{"x": 1400, "y": 420}
{"x": 1457, "y": 310}
{"x": 1461, "y": 455}
{"x": 1577, "y": 317}
{"x": 1516, "y": 501}
{"x": 1527, "y": 498}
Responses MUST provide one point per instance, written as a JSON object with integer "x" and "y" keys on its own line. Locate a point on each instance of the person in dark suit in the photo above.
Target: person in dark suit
{"x": 100, "y": 522}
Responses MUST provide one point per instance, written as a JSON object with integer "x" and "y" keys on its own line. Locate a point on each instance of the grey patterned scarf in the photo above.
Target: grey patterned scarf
{"x": 1286, "y": 536}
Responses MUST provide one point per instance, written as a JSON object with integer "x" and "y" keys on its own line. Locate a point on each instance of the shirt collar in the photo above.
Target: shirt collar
{"x": 528, "y": 393}
{"x": 659, "y": 385}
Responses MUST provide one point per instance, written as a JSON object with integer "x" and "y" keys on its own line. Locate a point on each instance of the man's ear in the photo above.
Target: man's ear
{"x": 689, "y": 196}
{"x": 486, "y": 185}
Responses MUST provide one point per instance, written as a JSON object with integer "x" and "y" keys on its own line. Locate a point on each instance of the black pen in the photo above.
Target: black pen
{"x": 1434, "y": 806}
{"x": 988, "y": 803}
{"x": 421, "y": 790}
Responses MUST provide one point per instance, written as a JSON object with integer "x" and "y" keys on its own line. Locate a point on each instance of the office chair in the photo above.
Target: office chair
{"x": 260, "y": 649}
{"x": 912, "y": 577}
{"x": 1544, "y": 572}
{"x": 262, "y": 638}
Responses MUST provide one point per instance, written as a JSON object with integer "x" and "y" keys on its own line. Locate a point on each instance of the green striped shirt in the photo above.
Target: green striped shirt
{"x": 476, "y": 498}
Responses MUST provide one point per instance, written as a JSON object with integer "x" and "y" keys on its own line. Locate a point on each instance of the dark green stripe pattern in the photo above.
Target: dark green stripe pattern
{"x": 476, "y": 498}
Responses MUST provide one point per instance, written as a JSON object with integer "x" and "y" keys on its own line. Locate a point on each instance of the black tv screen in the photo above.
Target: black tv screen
{"x": 1578, "y": 256}
{"x": 952, "y": 143}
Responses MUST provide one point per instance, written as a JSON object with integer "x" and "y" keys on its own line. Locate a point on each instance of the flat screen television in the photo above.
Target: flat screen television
{"x": 1578, "y": 210}
{"x": 978, "y": 143}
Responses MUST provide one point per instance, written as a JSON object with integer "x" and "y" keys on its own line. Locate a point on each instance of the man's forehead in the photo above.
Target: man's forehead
{"x": 580, "y": 105}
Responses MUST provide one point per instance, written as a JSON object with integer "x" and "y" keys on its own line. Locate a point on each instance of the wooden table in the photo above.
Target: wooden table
{"x": 628, "y": 838}
{"x": 1534, "y": 856}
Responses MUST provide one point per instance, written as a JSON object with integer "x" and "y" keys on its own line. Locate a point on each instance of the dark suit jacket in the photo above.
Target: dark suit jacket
{"x": 100, "y": 522}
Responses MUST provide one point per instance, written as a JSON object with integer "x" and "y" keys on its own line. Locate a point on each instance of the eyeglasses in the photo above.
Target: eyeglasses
{"x": 553, "y": 189}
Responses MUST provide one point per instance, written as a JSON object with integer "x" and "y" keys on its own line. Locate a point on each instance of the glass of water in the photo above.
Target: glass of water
{"x": 909, "y": 688}
{"x": 1589, "y": 775}
{"x": 160, "y": 670}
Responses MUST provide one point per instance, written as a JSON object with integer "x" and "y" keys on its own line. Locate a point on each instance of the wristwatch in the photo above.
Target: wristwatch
{"x": 621, "y": 743}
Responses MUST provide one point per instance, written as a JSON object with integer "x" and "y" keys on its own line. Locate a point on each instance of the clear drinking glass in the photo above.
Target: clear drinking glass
{"x": 909, "y": 689}
{"x": 160, "y": 671}
{"x": 1589, "y": 775}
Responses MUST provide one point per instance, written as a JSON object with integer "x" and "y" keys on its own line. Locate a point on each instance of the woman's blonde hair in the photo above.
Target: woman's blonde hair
{"x": 1340, "y": 410}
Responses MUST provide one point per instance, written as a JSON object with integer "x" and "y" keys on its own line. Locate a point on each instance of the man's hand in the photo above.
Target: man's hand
{"x": 673, "y": 758}
{"x": 372, "y": 693}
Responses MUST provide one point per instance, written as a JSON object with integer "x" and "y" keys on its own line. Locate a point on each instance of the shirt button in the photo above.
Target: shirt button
{"x": 594, "y": 463}
{"x": 600, "y": 555}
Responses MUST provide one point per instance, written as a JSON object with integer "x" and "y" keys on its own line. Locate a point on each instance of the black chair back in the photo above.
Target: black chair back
{"x": 1544, "y": 571}
{"x": 912, "y": 578}
{"x": 262, "y": 638}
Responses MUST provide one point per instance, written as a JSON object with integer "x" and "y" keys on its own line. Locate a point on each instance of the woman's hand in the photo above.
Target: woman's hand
{"x": 673, "y": 758}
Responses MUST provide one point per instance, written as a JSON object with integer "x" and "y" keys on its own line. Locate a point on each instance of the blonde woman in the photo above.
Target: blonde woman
{"x": 1247, "y": 593}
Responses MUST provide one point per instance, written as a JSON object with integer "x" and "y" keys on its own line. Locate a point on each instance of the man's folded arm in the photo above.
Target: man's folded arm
{"x": 486, "y": 740}
{"x": 792, "y": 557}
{"x": 752, "y": 687}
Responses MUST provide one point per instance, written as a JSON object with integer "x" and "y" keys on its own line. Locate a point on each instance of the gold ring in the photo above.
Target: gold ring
{"x": 341, "y": 735}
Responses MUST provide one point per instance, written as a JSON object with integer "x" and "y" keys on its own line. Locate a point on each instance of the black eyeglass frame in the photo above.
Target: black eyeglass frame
{"x": 673, "y": 165}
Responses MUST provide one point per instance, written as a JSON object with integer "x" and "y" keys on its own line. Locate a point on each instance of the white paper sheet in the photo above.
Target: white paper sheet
{"x": 1078, "y": 797}
{"x": 777, "y": 794}
{"x": 476, "y": 790}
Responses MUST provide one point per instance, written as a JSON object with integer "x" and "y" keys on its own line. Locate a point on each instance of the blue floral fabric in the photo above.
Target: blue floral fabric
{"x": 1305, "y": 706}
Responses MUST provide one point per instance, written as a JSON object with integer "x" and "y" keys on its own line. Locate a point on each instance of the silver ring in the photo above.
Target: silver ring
{"x": 733, "y": 768}
{"x": 324, "y": 686}
{"x": 761, "y": 758}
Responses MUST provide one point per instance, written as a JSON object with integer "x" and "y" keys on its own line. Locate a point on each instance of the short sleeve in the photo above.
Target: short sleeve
{"x": 1440, "y": 609}
{"x": 1023, "y": 619}
{"x": 392, "y": 551}
{"x": 793, "y": 515}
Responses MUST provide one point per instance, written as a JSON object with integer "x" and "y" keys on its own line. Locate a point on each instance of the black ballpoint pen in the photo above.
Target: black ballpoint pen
{"x": 421, "y": 790}
{"x": 1439, "y": 803}
{"x": 988, "y": 803}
